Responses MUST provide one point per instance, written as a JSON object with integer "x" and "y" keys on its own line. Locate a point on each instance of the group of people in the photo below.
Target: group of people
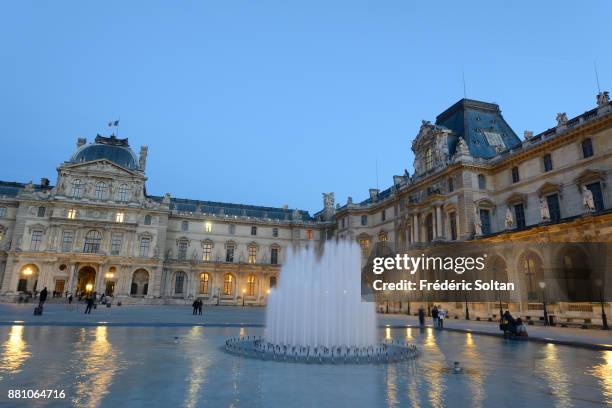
{"x": 437, "y": 314}
{"x": 197, "y": 307}
{"x": 511, "y": 326}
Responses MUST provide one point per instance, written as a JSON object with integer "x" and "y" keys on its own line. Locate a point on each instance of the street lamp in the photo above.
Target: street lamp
{"x": 109, "y": 275}
{"x": 88, "y": 287}
{"x": 542, "y": 285}
{"x": 604, "y": 318}
{"x": 243, "y": 292}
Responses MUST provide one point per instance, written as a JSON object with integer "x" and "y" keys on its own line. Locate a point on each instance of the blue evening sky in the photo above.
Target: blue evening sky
{"x": 274, "y": 102}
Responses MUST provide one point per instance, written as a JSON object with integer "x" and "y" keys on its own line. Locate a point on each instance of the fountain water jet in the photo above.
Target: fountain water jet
{"x": 317, "y": 315}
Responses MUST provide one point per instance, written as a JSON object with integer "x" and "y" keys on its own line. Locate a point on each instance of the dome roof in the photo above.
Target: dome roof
{"x": 110, "y": 148}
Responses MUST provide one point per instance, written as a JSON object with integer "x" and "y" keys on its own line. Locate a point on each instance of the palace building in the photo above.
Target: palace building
{"x": 474, "y": 180}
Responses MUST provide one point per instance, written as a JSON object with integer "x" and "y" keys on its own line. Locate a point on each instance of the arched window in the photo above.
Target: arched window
{"x": 250, "y": 291}
{"x": 531, "y": 266}
{"x": 364, "y": 243}
{"x": 77, "y": 188}
{"x": 482, "y": 182}
{"x": 122, "y": 193}
{"x": 92, "y": 242}
{"x": 204, "y": 280}
{"x": 140, "y": 283}
{"x": 100, "y": 190}
{"x": 179, "y": 283}
{"x": 228, "y": 284}
{"x": 147, "y": 220}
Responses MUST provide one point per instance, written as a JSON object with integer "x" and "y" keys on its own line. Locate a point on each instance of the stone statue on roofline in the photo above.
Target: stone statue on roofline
{"x": 603, "y": 98}
{"x": 561, "y": 118}
{"x": 587, "y": 199}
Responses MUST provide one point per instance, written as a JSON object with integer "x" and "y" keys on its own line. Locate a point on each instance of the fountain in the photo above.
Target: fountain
{"x": 317, "y": 315}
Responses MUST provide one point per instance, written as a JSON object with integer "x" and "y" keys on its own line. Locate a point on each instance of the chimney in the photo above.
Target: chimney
{"x": 143, "y": 157}
{"x": 374, "y": 193}
{"x": 81, "y": 141}
{"x": 44, "y": 182}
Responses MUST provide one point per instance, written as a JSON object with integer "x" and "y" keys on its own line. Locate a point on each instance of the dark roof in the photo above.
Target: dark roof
{"x": 11, "y": 189}
{"x": 231, "y": 209}
{"x": 116, "y": 150}
{"x": 473, "y": 121}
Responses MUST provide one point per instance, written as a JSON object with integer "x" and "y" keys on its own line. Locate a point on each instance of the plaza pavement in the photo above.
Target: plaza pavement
{"x": 72, "y": 315}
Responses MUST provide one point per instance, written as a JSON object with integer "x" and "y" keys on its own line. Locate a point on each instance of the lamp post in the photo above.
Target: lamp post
{"x": 542, "y": 285}
{"x": 467, "y": 309}
{"x": 243, "y": 292}
{"x": 604, "y": 318}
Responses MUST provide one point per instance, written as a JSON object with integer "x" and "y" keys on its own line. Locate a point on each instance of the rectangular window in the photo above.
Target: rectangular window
{"x": 41, "y": 212}
{"x": 231, "y": 229}
{"x": 116, "y": 241}
{"x": 485, "y": 220}
{"x": 72, "y": 213}
{"x": 145, "y": 242}
{"x": 208, "y": 226}
{"x": 383, "y": 215}
{"x": 229, "y": 254}
{"x": 309, "y": 235}
{"x": 597, "y": 195}
{"x": 275, "y": 232}
{"x": 519, "y": 214}
{"x": 548, "y": 165}
{"x": 453, "y": 225}
{"x": 2, "y": 211}
{"x": 515, "y": 175}
{"x": 482, "y": 182}
{"x": 67, "y": 238}
{"x": 119, "y": 217}
{"x": 253, "y": 230}
{"x": 587, "y": 148}
{"x": 36, "y": 240}
{"x": 252, "y": 254}
{"x": 182, "y": 250}
{"x": 274, "y": 256}
{"x": 364, "y": 220}
{"x": 365, "y": 246}
{"x": 206, "y": 251}
{"x": 553, "y": 207}
{"x": 184, "y": 226}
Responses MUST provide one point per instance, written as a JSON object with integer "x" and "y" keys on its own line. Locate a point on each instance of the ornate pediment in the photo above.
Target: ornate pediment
{"x": 589, "y": 175}
{"x": 103, "y": 166}
{"x": 549, "y": 188}
{"x": 430, "y": 147}
{"x": 516, "y": 198}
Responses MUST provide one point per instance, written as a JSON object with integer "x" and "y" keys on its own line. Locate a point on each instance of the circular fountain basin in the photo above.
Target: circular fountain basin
{"x": 383, "y": 353}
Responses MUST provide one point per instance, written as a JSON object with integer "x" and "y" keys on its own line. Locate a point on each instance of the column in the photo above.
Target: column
{"x": 439, "y": 221}
{"x": 415, "y": 227}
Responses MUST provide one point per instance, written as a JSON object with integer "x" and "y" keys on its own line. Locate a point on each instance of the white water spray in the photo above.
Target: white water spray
{"x": 318, "y": 301}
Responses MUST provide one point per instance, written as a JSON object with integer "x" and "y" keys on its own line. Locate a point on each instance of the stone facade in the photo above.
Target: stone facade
{"x": 474, "y": 180}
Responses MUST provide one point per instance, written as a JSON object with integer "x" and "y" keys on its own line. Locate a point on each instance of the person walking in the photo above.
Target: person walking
{"x": 195, "y": 307}
{"x": 434, "y": 316}
{"x": 70, "y": 298}
{"x": 441, "y": 316}
{"x": 421, "y": 316}
{"x": 200, "y": 305}
{"x": 42, "y": 297}
{"x": 90, "y": 303}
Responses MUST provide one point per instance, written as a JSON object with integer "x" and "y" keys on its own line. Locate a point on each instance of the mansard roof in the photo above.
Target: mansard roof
{"x": 116, "y": 150}
{"x": 11, "y": 189}
{"x": 480, "y": 124}
{"x": 231, "y": 209}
